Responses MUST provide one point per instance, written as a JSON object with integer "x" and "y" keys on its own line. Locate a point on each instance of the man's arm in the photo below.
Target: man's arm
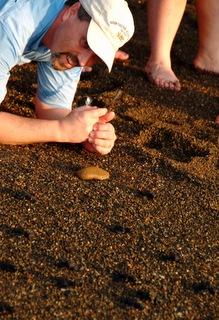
{"x": 102, "y": 137}
{"x": 21, "y": 130}
{"x": 61, "y": 125}
{"x": 73, "y": 128}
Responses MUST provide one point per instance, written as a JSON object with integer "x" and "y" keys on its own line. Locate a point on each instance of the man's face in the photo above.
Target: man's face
{"x": 70, "y": 48}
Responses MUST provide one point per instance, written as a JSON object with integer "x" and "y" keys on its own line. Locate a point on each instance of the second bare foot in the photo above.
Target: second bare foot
{"x": 162, "y": 76}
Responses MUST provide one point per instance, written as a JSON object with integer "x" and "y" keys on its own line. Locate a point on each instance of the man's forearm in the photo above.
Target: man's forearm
{"x": 75, "y": 127}
{"x": 20, "y": 130}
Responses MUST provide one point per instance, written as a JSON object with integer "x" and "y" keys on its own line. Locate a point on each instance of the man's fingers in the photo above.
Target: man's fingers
{"x": 87, "y": 69}
{"x": 102, "y": 113}
{"x": 107, "y": 134}
{"x": 121, "y": 55}
{"x": 93, "y": 111}
{"x": 107, "y": 117}
{"x": 102, "y": 143}
{"x": 99, "y": 112}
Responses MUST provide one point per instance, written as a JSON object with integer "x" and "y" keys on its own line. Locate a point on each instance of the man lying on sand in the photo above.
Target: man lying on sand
{"x": 63, "y": 37}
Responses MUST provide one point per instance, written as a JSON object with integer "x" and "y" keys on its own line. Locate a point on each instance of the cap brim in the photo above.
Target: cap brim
{"x": 99, "y": 44}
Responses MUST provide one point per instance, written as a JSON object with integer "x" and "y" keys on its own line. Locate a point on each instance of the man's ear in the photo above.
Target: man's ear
{"x": 72, "y": 10}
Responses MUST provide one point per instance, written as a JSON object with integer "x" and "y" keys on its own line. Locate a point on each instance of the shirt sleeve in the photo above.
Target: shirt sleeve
{"x": 4, "y": 75}
{"x": 7, "y": 60}
{"x": 57, "y": 88}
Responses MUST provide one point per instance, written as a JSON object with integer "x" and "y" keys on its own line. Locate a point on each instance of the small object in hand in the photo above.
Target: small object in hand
{"x": 88, "y": 101}
{"x": 92, "y": 173}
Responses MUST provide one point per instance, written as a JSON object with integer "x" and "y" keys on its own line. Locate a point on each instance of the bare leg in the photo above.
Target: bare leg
{"x": 208, "y": 27}
{"x": 164, "y": 17}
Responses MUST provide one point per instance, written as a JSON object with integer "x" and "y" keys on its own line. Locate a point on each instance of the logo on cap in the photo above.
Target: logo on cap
{"x": 123, "y": 33}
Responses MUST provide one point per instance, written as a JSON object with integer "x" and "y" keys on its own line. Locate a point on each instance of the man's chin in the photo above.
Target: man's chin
{"x": 59, "y": 67}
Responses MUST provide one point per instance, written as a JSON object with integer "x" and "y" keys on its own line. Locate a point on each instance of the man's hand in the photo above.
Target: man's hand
{"x": 79, "y": 123}
{"x": 86, "y": 124}
{"x": 121, "y": 55}
{"x": 102, "y": 137}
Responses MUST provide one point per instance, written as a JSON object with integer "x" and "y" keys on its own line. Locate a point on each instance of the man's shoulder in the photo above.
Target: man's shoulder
{"x": 39, "y": 15}
{"x": 40, "y": 8}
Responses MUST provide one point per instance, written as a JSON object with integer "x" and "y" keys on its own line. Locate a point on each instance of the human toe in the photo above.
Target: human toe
{"x": 168, "y": 85}
{"x": 162, "y": 77}
{"x": 176, "y": 86}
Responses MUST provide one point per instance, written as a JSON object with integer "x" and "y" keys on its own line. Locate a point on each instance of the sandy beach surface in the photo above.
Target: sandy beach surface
{"x": 141, "y": 245}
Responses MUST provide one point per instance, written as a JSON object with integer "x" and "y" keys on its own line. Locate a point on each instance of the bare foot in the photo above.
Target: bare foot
{"x": 207, "y": 63}
{"x": 217, "y": 120}
{"x": 162, "y": 76}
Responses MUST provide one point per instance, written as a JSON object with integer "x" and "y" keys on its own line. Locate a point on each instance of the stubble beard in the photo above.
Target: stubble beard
{"x": 57, "y": 64}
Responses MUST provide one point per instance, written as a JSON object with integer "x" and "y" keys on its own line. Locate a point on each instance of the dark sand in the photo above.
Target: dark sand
{"x": 141, "y": 245}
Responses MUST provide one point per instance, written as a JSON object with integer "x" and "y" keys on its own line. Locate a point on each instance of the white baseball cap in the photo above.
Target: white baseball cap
{"x": 110, "y": 28}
